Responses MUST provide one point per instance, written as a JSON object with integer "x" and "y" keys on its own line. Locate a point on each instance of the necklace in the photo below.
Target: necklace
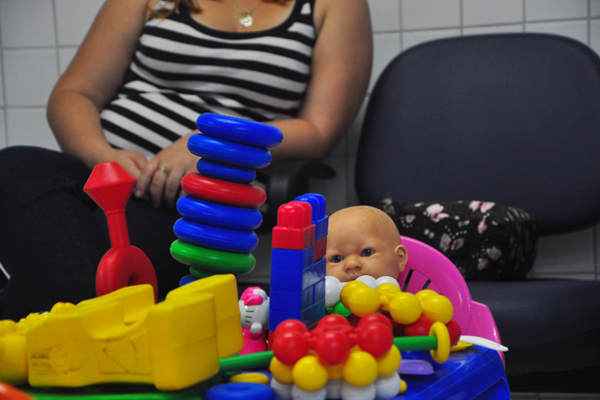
{"x": 245, "y": 17}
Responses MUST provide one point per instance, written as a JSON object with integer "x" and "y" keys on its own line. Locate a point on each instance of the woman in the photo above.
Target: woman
{"x": 142, "y": 75}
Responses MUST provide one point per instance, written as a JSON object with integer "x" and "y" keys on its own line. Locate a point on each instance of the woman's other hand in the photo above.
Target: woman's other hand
{"x": 159, "y": 180}
{"x": 133, "y": 161}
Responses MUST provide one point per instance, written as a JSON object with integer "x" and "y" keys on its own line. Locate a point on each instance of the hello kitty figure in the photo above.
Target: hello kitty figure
{"x": 254, "y": 310}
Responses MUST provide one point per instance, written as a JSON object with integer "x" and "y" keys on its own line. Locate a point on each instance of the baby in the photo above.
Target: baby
{"x": 363, "y": 240}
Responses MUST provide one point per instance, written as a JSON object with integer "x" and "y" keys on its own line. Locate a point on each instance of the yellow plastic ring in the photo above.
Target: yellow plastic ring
{"x": 250, "y": 377}
{"x": 440, "y": 332}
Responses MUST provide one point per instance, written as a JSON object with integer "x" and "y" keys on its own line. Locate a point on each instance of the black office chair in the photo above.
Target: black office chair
{"x": 515, "y": 119}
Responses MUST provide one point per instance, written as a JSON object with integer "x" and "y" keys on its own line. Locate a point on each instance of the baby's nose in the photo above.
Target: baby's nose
{"x": 352, "y": 264}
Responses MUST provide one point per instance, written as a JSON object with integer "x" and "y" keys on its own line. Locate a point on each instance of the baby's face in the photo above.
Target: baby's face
{"x": 362, "y": 247}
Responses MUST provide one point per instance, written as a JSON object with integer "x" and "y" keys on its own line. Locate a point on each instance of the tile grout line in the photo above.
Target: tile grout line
{"x": 55, "y": 20}
{"x": 401, "y": 24}
{"x": 3, "y": 77}
{"x": 524, "y": 10}
{"x": 589, "y": 23}
{"x": 461, "y": 16}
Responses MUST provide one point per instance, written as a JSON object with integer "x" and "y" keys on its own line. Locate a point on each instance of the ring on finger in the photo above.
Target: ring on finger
{"x": 164, "y": 169}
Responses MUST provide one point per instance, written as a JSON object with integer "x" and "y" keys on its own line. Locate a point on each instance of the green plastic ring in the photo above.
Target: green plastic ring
{"x": 197, "y": 272}
{"x": 212, "y": 260}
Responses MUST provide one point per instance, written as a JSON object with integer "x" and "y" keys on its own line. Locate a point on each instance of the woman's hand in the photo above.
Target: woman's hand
{"x": 134, "y": 162}
{"x": 160, "y": 178}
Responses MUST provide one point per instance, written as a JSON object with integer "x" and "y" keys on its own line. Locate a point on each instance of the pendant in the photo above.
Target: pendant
{"x": 246, "y": 19}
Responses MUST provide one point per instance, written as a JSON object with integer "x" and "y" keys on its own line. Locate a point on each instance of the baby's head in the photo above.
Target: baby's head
{"x": 363, "y": 240}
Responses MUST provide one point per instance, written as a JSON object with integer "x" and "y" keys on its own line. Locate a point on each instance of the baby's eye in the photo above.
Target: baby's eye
{"x": 335, "y": 259}
{"x": 367, "y": 252}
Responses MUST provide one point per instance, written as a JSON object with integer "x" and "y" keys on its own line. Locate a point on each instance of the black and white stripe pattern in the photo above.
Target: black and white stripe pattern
{"x": 182, "y": 69}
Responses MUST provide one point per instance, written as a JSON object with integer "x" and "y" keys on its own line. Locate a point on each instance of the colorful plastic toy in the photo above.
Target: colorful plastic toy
{"x": 124, "y": 337}
{"x": 428, "y": 268}
{"x": 110, "y": 186}
{"x": 337, "y": 360}
{"x": 254, "y": 309}
{"x": 8, "y": 392}
{"x": 221, "y": 209}
{"x": 297, "y": 271}
{"x": 240, "y": 391}
{"x": 225, "y": 172}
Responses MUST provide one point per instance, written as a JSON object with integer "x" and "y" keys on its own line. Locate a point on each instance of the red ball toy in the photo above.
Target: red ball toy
{"x": 419, "y": 328}
{"x": 375, "y": 338}
{"x": 332, "y": 347}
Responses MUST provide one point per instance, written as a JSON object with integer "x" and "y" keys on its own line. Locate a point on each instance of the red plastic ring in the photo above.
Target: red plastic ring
{"x": 220, "y": 191}
{"x": 124, "y": 266}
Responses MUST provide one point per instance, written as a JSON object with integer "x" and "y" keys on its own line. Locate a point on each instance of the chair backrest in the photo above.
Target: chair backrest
{"x": 428, "y": 268}
{"x": 511, "y": 118}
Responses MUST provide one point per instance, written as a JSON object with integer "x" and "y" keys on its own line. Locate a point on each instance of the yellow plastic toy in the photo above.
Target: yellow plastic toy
{"x": 124, "y": 337}
{"x": 404, "y": 308}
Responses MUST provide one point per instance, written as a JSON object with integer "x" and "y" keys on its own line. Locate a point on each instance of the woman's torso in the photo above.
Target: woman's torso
{"x": 182, "y": 68}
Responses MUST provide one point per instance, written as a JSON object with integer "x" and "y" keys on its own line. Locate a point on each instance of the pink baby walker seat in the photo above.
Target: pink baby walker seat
{"x": 427, "y": 268}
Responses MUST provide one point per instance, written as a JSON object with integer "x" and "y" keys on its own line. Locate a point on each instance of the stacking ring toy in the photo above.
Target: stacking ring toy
{"x": 206, "y": 212}
{"x": 198, "y": 273}
{"x": 442, "y": 351}
{"x": 212, "y": 260}
{"x": 239, "y": 130}
{"x": 214, "y": 237}
{"x": 188, "y": 279}
{"x": 240, "y": 391}
{"x": 220, "y": 191}
{"x": 229, "y": 152}
{"x": 225, "y": 172}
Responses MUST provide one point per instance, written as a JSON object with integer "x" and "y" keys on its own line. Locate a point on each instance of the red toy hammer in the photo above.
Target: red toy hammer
{"x": 110, "y": 186}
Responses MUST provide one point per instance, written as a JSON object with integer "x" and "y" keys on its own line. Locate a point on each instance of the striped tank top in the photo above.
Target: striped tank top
{"x": 182, "y": 68}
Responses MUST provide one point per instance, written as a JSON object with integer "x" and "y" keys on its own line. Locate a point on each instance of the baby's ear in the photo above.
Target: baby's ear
{"x": 402, "y": 258}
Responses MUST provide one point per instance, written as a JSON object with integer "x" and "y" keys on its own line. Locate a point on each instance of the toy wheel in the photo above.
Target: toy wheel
{"x": 440, "y": 332}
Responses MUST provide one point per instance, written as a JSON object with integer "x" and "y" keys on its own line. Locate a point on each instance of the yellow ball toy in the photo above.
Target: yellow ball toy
{"x": 389, "y": 362}
{"x": 348, "y": 288}
{"x": 405, "y": 308}
{"x": 280, "y": 371}
{"x": 421, "y": 294}
{"x": 360, "y": 369}
{"x": 386, "y": 292}
{"x": 361, "y": 299}
{"x": 437, "y": 308}
{"x": 309, "y": 374}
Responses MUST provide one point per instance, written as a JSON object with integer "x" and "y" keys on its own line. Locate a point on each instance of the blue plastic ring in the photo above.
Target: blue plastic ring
{"x": 214, "y": 237}
{"x": 225, "y": 172}
{"x": 239, "y": 130}
{"x": 240, "y": 391}
{"x": 187, "y": 279}
{"x": 229, "y": 152}
{"x": 209, "y": 213}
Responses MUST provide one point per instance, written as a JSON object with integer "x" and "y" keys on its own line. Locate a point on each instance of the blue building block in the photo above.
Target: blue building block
{"x": 319, "y": 214}
{"x": 474, "y": 374}
{"x": 298, "y": 276}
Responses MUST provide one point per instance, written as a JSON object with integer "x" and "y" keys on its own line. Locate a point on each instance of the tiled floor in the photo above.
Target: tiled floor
{"x": 554, "y": 396}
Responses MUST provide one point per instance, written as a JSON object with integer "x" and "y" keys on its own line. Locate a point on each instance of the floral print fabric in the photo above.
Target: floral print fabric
{"x": 485, "y": 240}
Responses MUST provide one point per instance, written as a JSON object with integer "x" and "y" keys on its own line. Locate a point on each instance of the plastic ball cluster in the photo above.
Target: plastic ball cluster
{"x": 221, "y": 209}
{"x": 415, "y": 313}
{"x": 336, "y": 360}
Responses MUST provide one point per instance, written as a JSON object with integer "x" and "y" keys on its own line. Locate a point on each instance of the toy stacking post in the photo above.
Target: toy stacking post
{"x": 110, "y": 186}
{"x": 220, "y": 211}
{"x": 297, "y": 262}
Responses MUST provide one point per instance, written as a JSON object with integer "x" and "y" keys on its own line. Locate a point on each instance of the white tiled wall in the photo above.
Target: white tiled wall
{"x": 38, "y": 38}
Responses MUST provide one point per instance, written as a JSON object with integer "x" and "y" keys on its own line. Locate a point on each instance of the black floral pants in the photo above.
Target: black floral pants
{"x": 485, "y": 240}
